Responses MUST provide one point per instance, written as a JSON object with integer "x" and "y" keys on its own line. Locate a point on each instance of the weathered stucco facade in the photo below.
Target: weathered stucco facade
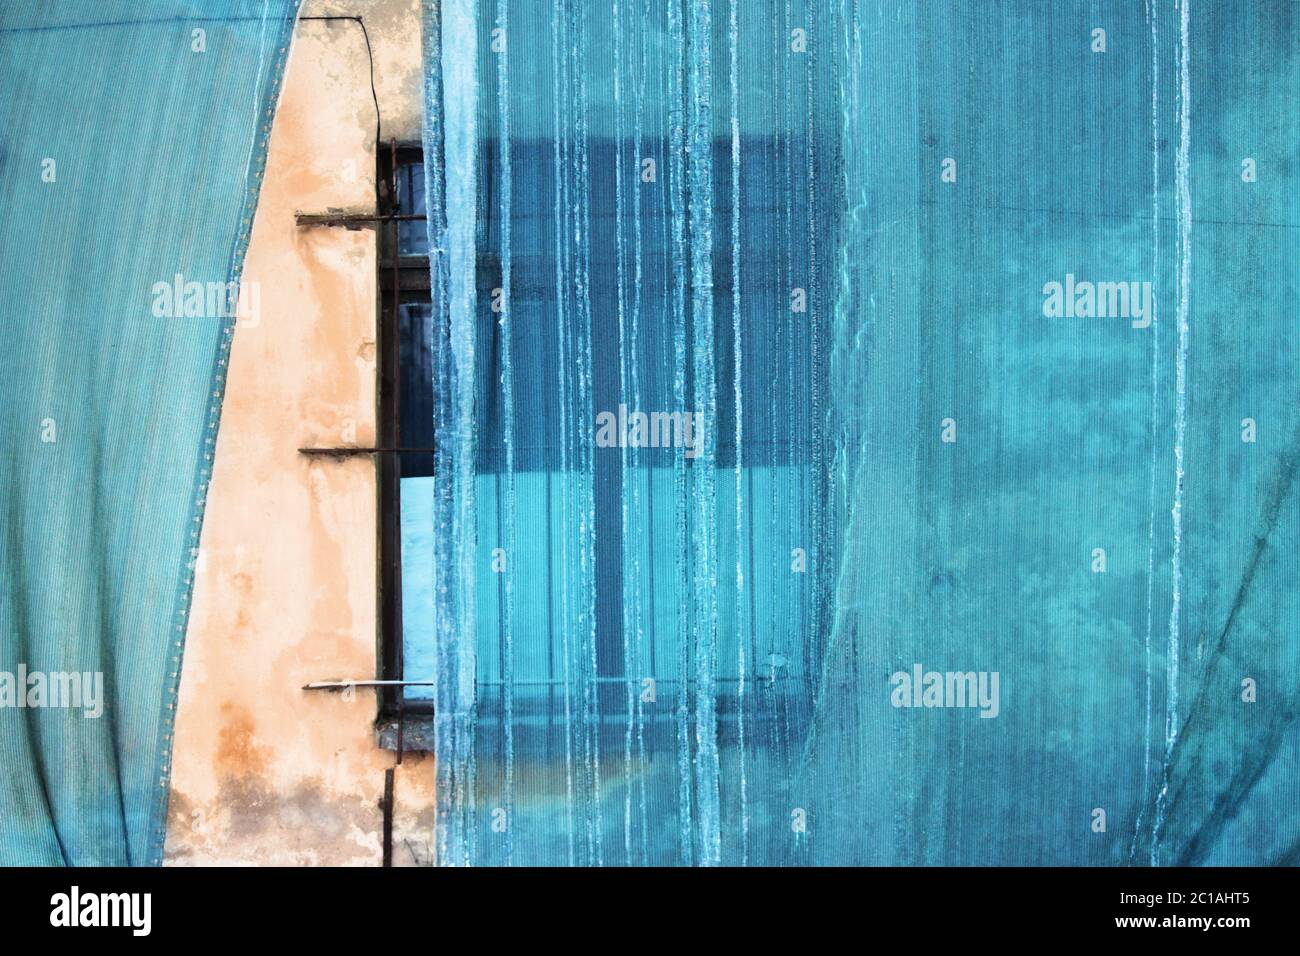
{"x": 265, "y": 772}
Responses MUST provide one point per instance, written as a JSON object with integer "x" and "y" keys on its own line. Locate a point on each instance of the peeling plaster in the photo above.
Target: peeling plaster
{"x": 285, "y": 591}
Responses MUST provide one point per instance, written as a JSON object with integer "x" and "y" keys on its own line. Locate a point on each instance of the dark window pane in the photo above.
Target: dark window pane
{"x": 412, "y": 237}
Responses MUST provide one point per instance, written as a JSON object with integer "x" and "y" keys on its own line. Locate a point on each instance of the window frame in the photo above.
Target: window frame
{"x": 402, "y": 279}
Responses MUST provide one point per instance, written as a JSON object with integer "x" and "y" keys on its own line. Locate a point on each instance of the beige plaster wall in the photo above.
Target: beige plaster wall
{"x": 285, "y": 593}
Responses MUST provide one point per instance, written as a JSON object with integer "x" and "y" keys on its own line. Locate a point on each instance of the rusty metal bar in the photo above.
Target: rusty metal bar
{"x": 386, "y": 804}
{"x": 396, "y": 583}
{"x": 337, "y": 685}
{"x": 351, "y": 220}
{"x": 349, "y": 452}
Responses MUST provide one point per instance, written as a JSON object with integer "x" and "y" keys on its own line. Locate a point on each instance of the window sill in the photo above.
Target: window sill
{"x": 416, "y": 732}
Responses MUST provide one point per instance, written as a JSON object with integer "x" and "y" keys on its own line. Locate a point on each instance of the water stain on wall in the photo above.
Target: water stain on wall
{"x": 286, "y": 586}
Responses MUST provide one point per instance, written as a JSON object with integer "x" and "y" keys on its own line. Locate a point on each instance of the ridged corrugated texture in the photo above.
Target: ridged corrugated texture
{"x": 950, "y": 459}
{"x": 132, "y": 150}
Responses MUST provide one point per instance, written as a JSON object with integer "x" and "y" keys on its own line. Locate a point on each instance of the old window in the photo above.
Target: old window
{"x": 775, "y": 461}
{"x": 405, "y": 424}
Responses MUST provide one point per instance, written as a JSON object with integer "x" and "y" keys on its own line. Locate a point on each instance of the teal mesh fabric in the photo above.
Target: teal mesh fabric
{"x": 832, "y": 230}
{"x": 1106, "y": 531}
{"x": 1114, "y": 528}
{"x": 629, "y": 496}
{"x": 131, "y": 152}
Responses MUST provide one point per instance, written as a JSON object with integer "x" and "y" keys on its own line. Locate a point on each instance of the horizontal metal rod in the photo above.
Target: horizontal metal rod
{"x": 346, "y": 451}
{"x": 352, "y": 219}
{"x": 345, "y": 684}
